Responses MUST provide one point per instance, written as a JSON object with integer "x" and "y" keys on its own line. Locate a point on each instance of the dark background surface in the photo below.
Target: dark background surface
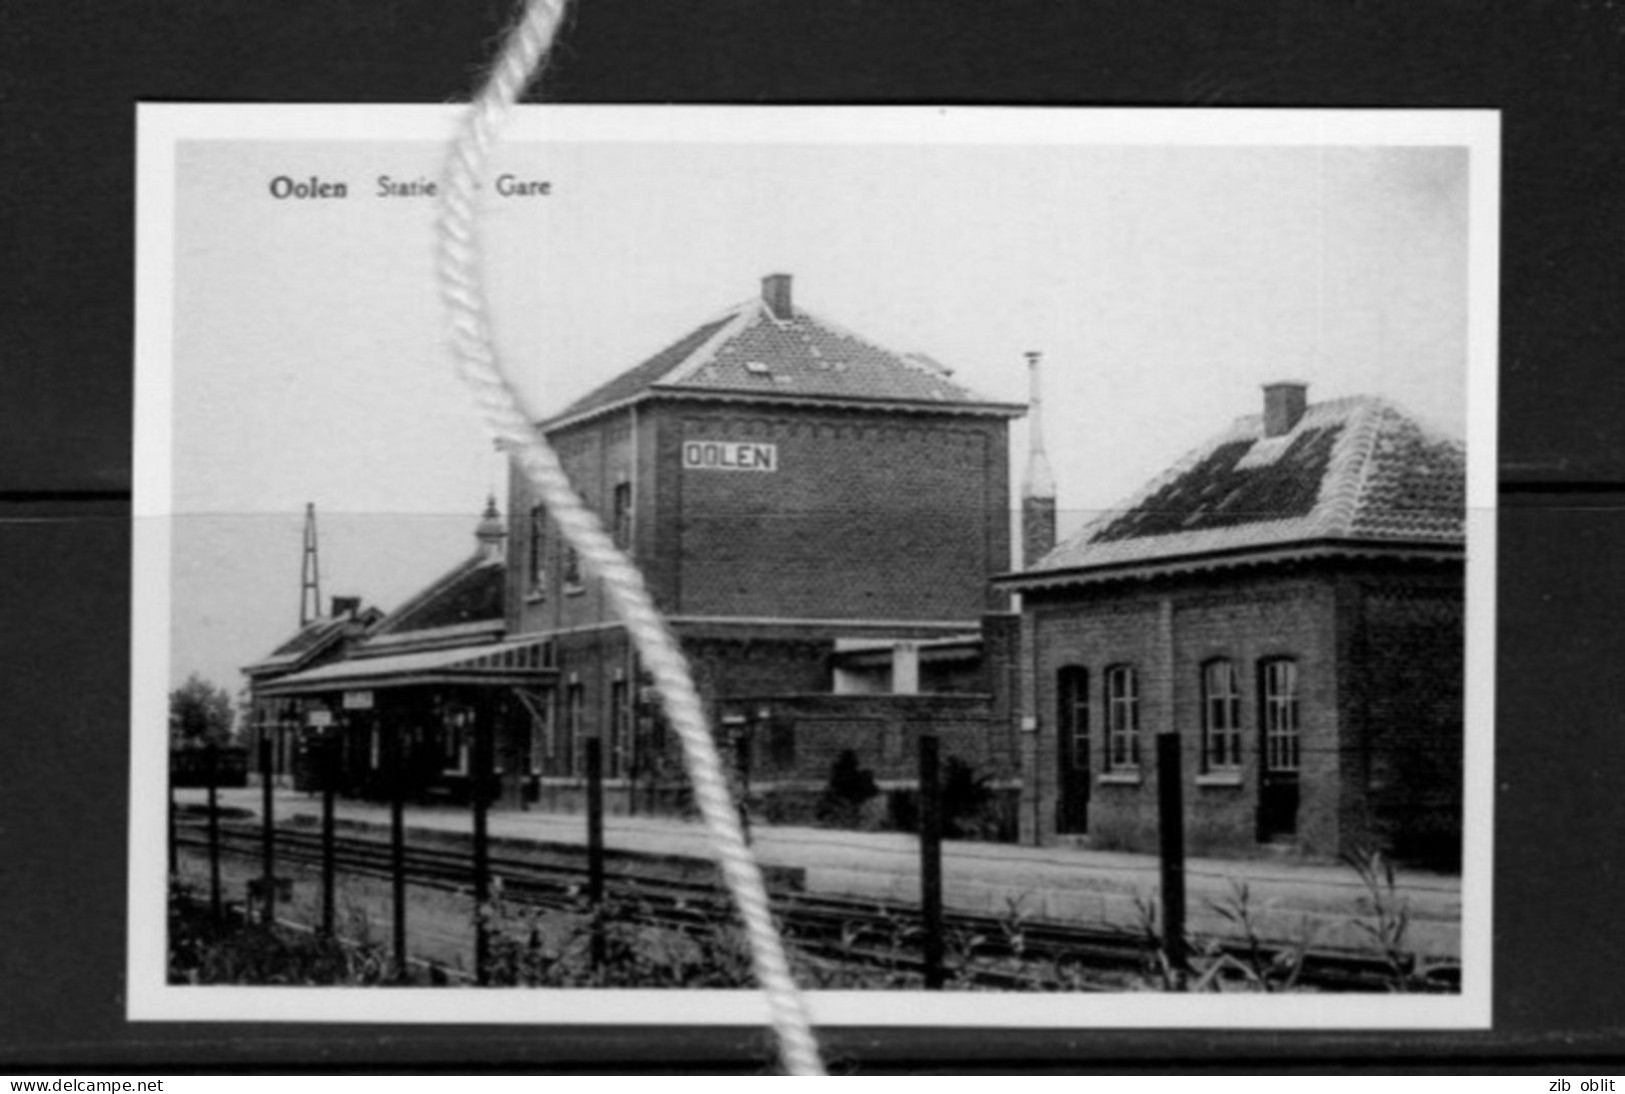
{"x": 70, "y": 76}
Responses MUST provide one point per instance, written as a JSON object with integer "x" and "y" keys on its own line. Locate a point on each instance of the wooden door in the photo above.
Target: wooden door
{"x": 1072, "y": 745}
{"x": 1281, "y": 746}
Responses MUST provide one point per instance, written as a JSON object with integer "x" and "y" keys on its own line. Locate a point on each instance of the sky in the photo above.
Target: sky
{"x": 1163, "y": 283}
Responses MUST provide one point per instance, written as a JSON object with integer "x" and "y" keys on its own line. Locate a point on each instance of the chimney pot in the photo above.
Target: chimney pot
{"x": 1284, "y": 404}
{"x": 776, "y": 293}
{"x": 1038, "y": 487}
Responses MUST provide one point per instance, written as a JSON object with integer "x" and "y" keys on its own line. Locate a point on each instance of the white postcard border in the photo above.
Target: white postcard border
{"x": 162, "y": 126}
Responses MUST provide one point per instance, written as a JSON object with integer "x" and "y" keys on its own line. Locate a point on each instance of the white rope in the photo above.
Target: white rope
{"x": 515, "y": 430}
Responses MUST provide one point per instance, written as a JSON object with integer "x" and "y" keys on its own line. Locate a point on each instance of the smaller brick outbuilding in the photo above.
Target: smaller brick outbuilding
{"x": 1288, "y": 599}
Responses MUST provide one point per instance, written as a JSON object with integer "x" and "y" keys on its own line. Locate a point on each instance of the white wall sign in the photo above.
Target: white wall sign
{"x": 358, "y": 700}
{"x": 730, "y": 456}
{"x": 320, "y": 718}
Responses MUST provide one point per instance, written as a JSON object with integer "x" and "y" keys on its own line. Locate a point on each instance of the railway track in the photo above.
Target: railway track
{"x": 985, "y": 950}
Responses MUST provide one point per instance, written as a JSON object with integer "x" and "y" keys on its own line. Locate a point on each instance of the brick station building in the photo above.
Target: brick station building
{"x": 825, "y": 523}
{"x": 795, "y": 494}
{"x": 818, "y": 517}
{"x": 1288, "y": 598}
{"x": 400, "y": 702}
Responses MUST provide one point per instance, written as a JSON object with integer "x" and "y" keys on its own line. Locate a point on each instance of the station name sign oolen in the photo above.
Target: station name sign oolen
{"x": 730, "y": 456}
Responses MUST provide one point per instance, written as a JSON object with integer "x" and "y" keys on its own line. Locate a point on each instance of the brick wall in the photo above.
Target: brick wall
{"x": 1379, "y": 654}
{"x": 1403, "y": 772}
{"x": 743, "y": 663}
{"x": 1167, "y": 633}
{"x": 803, "y": 735}
{"x": 597, "y": 455}
{"x": 868, "y": 515}
{"x": 1250, "y": 622}
{"x": 593, "y": 661}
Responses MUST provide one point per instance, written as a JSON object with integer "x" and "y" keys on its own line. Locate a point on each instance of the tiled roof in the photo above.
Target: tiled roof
{"x": 313, "y": 638}
{"x": 310, "y": 636}
{"x": 750, "y": 350}
{"x": 521, "y": 659}
{"x": 1351, "y": 469}
{"x": 471, "y": 593}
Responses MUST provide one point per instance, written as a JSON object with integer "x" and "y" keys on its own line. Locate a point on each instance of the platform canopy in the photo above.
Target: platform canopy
{"x": 518, "y": 662}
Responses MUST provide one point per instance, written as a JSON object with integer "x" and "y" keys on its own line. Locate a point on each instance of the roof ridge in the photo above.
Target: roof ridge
{"x": 1357, "y": 448}
{"x": 910, "y": 358}
{"x": 743, "y": 315}
{"x": 1352, "y": 469}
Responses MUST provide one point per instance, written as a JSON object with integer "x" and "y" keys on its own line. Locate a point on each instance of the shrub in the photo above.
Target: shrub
{"x": 850, "y": 787}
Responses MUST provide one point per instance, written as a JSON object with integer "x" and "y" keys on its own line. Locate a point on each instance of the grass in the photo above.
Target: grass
{"x": 203, "y": 950}
{"x": 622, "y": 945}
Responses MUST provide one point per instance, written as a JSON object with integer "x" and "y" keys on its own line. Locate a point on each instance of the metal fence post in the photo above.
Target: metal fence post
{"x": 330, "y": 774}
{"x": 742, "y": 778}
{"x": 1171, "y": 829}
{"x": 171, "y": 836}
{"x": 930, "y": 863}
{"x": 482, "y": 847}
{"x": 397, "y": 847}
{"x": 595, "y": 844}
{"x": 214, "y": 829}
{"x": 267, "y": 829}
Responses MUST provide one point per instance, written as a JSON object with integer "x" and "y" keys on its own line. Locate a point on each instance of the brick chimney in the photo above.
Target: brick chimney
{"x": 1038, "y": 486}
{"x": 776, "y": 292}
{"x": 1284, "y": 403}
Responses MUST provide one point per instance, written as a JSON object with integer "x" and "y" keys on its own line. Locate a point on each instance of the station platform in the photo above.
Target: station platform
{"x": 1288, "y": 902}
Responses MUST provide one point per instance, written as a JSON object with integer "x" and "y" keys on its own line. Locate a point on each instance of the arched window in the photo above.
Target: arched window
{"x": 1221, "y": 716}
{"x": 1278, "y": 712}
{"x": 1122, "y": 718}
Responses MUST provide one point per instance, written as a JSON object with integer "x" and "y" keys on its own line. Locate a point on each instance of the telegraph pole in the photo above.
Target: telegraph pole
{"x": 310, "y": 582}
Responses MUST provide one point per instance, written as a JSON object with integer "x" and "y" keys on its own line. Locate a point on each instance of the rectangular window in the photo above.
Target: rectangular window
{"x": 1279, "y": 707}
{"x": 536, "y": 559}
{"x": 574, "y": 705}
{"x": 622, "y": 515}
{"x": 1122, "y": 718}
{"x": 572, "y": 570}
{"x": 1221, "y": 717}
{"x": 619, "y": 738}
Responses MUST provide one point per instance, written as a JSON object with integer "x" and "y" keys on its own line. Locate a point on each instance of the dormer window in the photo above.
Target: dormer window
{"x": 758, "y": 368}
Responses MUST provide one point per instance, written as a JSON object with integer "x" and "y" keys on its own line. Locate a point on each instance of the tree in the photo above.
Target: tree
{"x": 199, "y": 714}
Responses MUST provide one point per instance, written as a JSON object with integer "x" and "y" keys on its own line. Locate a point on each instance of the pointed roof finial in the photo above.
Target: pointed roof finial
{"x": 1039, "y": 481}
{"x": 491, "y": 530}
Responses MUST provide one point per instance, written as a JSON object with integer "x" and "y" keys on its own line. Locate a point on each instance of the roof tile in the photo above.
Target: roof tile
{"x": 473, "y": 592}
{"x": 750, "y": 350}
{"x": 1351, "y": 469}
